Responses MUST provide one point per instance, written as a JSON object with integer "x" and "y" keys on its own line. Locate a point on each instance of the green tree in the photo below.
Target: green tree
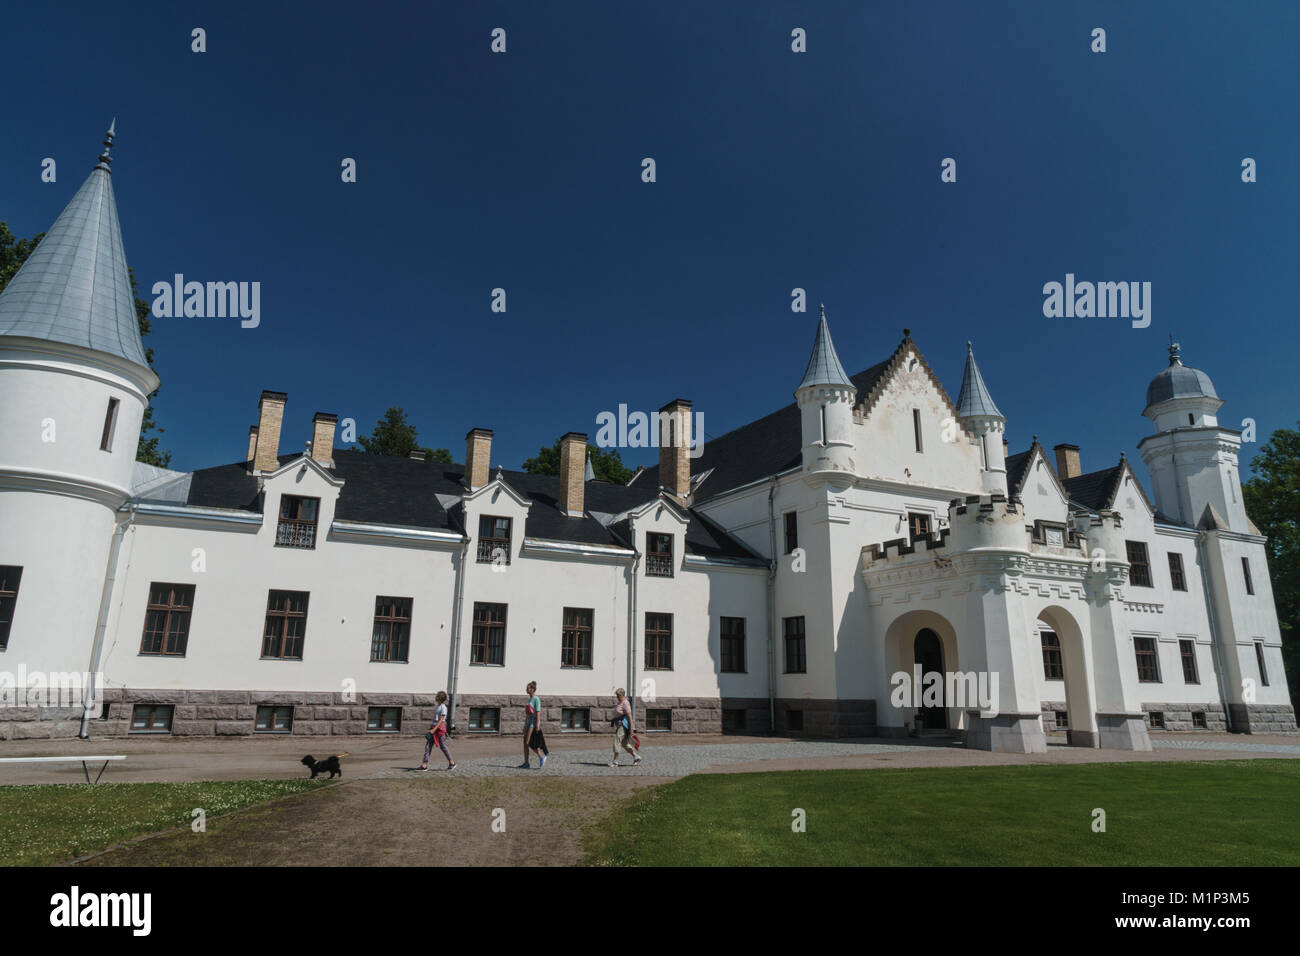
{"x": 13, "y": 253}
{"x": 1272, "y": 500}
{"x": 393, "y": 435}
{"x": 605, "y": 465}
{"x": 442, "y": 455}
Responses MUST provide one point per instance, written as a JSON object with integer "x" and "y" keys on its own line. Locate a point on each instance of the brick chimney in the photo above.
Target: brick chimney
{"x": 1067, "y": 461}
{"x": 573, "y": 473}
{"x": 674, "y": 448}
{"x": 252, "y": 444}
{"x": 270, "y": 415}
{"x": 478, "y": 452}
{"x": 322, "y": 438}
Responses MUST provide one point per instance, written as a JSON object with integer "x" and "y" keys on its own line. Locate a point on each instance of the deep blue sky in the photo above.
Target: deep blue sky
{"x": 775, "y": 170}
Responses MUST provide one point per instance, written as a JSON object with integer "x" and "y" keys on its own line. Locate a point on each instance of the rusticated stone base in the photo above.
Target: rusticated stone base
{"x": 225, "y": 713}
{"x": 746, "y": 715}
{"x": 1263, "y": 718}
{"x": 1005, "y": 733}
{"x": 686, "y": 715}
{"x": 1178, "y": 716}
{"x": 802, "y": 717}
{"x": 1122, "y": 732}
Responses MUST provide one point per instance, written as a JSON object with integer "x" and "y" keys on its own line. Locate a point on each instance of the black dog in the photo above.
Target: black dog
{"x": 329, "y": 765}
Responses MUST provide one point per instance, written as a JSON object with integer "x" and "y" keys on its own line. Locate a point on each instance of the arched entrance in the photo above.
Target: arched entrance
{"x": 1065, "y": 659}
{"x": 927, "y": 651}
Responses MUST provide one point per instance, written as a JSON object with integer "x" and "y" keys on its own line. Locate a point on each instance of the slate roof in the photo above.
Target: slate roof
{"x": 824, "y": 367}
{"x": 74, "y": 287}
{"x": 975, "y": 398}
{"x": 1018, "y": 468}
{"x": 404, "y": 492}
{"x": 768, "y": 446}
{"x": 1096, "y": 489}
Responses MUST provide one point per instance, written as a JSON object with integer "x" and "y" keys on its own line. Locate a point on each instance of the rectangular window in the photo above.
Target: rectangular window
{"x": 791, "y": 531}
{"x": 167, "y": 620}
{"x": 733, "y": 720}
{"x": 1053, "y": 669}
{"x": 796, "y": 650}
{"x": 390, "y": 634}
{"x": 1139, "y": 568}
{"x": 1148, "y": 659}
{"x": 918, "y": 525}
{"x": 489, "y": 642}
{"x": 794, "y": 720}
{"x": 493, "y": 540}
{"x": 297, "y": 528}
{"x": 916, "y": 429}
{"x": 484, "y": 720}
{"x": 9, "y": 577}
{"x": 151, "y": 719}
{"x": 1198, "y": 719}
{"x": 733, "y": 645}
{"x": 659, "y": 555}
{"x": 1245, "y": 570}
{"x": 384, "y": 720}
{"x": 575, "y": 718}
{"x": 659, "y": 720}
{"x": 274, "y": 720}
{"x": 110, "y": 426}
{"x": 1188, "y": 651}
{"x": 1259, "y": 659}
{"x": 575, "y": 637}
{"x": 1176, "y": 576}
{"x": 658, "y": 641}
{"x": 286, "y": 625}
{"x": 1157, "y": 719}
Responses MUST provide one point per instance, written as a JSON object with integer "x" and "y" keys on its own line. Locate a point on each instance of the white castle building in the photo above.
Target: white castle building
{"x": 778, "y": 582}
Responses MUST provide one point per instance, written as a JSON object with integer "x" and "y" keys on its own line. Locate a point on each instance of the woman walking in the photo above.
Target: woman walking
{"x": 624, "y": 729}
{"x": 534, "y": 740}
{"x": 438, "y": 733}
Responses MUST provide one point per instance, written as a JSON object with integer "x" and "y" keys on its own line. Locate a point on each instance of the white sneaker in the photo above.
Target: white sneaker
{"x": 636, "y": 760}
{"x": 613, "y": 763}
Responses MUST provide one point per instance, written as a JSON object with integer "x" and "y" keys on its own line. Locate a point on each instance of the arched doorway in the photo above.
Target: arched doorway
{"x": 927, "y": 651}
{"x": 1066, "y": 675}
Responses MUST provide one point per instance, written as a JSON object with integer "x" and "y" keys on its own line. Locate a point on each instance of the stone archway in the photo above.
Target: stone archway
{"x": 901, "y": 645}
{"x": 1079, "y": 700}
{"x": 927, "y": 651}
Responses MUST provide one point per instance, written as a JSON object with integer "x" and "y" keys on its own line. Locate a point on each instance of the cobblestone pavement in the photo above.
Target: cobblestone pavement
{"x": 675, "y": 761}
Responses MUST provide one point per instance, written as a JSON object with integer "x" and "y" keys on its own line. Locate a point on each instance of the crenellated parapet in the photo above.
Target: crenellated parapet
{"x": 902, "y": 546}
{"x": 990, "y": 521}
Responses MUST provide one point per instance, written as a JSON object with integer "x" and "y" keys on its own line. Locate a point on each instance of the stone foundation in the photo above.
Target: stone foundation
{"x": 1122, "y": 732}
{"x": 1178, "y": 716}
{"x": 230, "y": 713}
{"x": 1263, "y": 718}
{"x": 799, "y": 717}
{"x": 1005, "y": 733}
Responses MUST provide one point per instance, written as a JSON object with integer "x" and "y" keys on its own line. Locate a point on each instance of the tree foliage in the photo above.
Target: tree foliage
{"x": 13, "y": 253}
{"x": 394, "y": 435}
{"x": 1272, "y": 500}
{"x": 605, "y": 465}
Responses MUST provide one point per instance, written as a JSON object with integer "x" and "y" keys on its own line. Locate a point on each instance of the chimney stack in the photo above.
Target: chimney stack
{"x": 478, "y": 452}
{"x": 252, "y": 444}
{"x": 674, "y": 448}
{"x": 1067, "y": 461}
{"x": 573, "y": 473}
{"x": 417, "y": 454}
{"x": 322, "y": 438}
{"x": 270, "y": 415}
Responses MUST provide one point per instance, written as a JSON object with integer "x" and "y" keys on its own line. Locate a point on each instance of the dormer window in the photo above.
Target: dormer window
{"x": 918, "y": 525}
{"x": 493, "y": 540}
{"x": 659, "y": 555}
{"x": 297, "y": 527}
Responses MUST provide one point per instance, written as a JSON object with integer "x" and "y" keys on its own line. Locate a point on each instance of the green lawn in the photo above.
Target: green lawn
{"x": 53, "y": 823}
{"x": 1220, "y": 813}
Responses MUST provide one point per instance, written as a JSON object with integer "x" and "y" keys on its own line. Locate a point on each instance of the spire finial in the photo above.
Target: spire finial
{"x": 1173, "y": 352}
{"x": 969, "y": 347}
{"x": 823, "y": 307}
{"x": 109, "y": 136}
{"x": 907, "y": 333}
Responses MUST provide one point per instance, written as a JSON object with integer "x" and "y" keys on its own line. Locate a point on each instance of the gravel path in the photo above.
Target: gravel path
{"x": 676, "y": 761}
{"x": 1272, "y": 748}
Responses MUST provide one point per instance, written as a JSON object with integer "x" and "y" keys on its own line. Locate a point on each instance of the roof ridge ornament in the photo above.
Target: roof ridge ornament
{"x": 1174, "y": 348}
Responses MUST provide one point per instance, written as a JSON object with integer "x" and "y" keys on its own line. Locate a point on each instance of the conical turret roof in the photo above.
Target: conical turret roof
{"x": 74, "y": 287}
{"x": 975, "y": 399}
{"x": 824, "y": 366}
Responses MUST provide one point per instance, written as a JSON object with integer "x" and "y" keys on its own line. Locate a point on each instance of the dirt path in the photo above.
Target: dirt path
{"x": 399, "y": 823}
